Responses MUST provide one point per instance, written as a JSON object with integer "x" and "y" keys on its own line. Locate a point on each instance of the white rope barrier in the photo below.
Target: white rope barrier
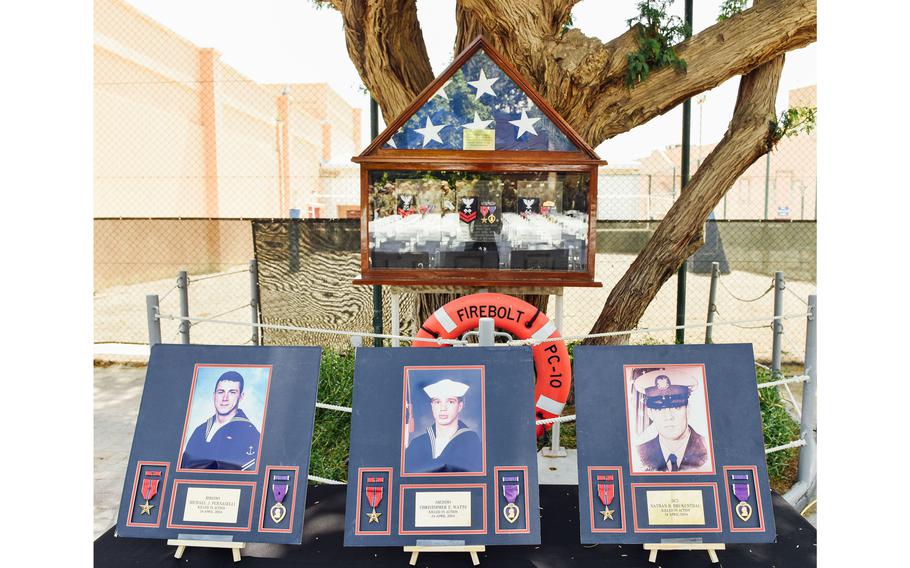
{"x": 218, "y": 275}
{"x": 735, "y": 297}
{"x": 793, "y": 444}
{"x": 193, "y": 320}
{"x": 785, "y": 381}
{"x": 566, "y": 418}
{"x": 531, "y": 341}
{"x": 334, "y": 407}
{"x": 324, "y": 480}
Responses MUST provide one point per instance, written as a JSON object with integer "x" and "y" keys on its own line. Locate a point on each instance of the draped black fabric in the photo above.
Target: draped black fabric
{"x": 324, "y": 529}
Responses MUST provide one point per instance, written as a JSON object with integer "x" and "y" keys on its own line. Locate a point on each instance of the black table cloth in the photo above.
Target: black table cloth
{"x": 324, "y": 529}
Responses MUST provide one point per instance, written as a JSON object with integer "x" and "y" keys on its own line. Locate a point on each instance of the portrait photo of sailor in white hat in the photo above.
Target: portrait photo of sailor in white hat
{"x": 668, "y": 420}
{"x": 446, "y": 444}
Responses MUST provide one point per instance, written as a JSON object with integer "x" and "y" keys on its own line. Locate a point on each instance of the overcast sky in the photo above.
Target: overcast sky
{"x": 290, "y": 41}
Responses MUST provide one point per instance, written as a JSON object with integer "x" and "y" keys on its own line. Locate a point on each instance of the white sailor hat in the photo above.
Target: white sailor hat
{"x": 445, "y": 388}
{"x": 666, "y": 388}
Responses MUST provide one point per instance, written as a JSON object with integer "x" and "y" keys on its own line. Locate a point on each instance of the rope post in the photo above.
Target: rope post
{"x": 559, "y": 310}
{"x": 778, "y": 324}
{"x": 183, "y": 285}
{"x": 151, "y": 313}
{"x": 254, "y": 299}
{"x": 485, "y": 332}
{"x": 802, "y": 490}
{"x": 712, "y": 303}
{"x": 395, "y": 307}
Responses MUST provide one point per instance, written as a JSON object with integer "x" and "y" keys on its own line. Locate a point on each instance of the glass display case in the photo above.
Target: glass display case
{"x": 506, "y": 198}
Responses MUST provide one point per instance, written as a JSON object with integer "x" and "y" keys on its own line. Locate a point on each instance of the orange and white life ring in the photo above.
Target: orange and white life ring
{"x": 521, "y": 320}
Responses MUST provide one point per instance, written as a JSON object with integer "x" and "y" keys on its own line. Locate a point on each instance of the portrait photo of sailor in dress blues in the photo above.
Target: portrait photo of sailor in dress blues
{"x": 443, "y": 425}
{"x": 225, "y": 418}
{"x": 668, "y": 419}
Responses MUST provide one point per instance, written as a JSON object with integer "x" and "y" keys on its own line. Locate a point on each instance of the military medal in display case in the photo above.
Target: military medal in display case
{"x": 443, "y": 454}
{"x": 479, "y": 182}
{"x": 670, "y": 447}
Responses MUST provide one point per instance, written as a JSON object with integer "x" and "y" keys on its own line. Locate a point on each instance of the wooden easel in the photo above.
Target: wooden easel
{"x": 710, "y": 547}
{"x": 182, "y": 544}
{"x": 470, "y": 549}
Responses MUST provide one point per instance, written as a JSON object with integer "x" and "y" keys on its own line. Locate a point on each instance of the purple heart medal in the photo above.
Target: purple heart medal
{"x": 510, "y": 491}
{"x": 741, "y": 490}
{"x": 279, "y": 490}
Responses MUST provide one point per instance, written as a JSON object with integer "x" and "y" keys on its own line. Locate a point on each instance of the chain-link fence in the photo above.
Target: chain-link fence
{"x": 188, "y": 151}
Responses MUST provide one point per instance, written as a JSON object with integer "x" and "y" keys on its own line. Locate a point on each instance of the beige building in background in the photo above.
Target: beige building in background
{"x": 648, "y": 187}
{"x": 178, "y": 133}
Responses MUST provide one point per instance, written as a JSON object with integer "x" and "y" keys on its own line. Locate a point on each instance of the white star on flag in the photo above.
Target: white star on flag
{"x": 431, "y": 132}
{"x": 484, "y": 85}
{"x": 524, "y": 124}
{"x": 477, "y": 124}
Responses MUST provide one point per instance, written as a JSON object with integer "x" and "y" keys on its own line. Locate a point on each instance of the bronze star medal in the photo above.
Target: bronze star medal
{"x": 374, "y": 497}
{"x": 606, "y": 492}
{"x": 149, "y": 490}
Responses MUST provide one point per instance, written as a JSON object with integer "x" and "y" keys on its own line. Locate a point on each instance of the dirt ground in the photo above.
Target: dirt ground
{"x": 120, "y": 311}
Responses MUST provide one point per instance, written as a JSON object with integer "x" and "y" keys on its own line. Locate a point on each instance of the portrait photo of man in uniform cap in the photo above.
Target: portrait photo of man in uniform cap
{"x": 668, "y": 420}
{"x": 227, "y": 439}
{"x": 447, "y": 444}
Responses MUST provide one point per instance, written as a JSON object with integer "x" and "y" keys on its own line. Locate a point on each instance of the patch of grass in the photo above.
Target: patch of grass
{"x": 779, "y": 428}
{"x": 332, "y": 432}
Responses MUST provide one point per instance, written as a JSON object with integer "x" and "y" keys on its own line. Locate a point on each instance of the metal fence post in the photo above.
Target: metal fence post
{"x": 559, "y": 310}
{"x": 777, "y": 325}
{"x": 485, "y": 332}
{"x": 802, "y": 490}
{"x": 395, "y": 307}
{"x": 151, "y": 313}
{"x": 183, "y": 285}
{"x": 712, "y": 302}
{"x": 254, "y": 300}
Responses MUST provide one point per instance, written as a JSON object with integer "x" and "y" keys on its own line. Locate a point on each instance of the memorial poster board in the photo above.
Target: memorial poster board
{"x": 221, "y": 448}
{"x": 670, "y": 445}
{"x": 443, "y": 448}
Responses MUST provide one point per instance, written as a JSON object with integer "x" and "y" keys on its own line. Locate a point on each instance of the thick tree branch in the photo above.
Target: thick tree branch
{"x": 679, "y": 235}
{"x": 584, "y": 79}
{"x": 386, "y": 45}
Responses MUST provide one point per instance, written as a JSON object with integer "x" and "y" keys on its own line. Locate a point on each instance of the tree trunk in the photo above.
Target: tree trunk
{"x": 680, "y": 234}
{"x": 584, "y": 80}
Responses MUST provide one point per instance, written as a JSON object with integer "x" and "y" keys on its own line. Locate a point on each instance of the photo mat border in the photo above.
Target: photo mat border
{"x": 483, "y": 418}
{"x": 177, "y": 482}
{"x": 129, "y": 518}
{"x": 265, "y": 488}
{"x": 761, "y": 516}
{"x": 483, "y": 498}
{"x": 622, "y": 498}
{"x": 496, "y": 470}
{"x": 713, "y": 485}
{"x": 189, "y": 405}
{"x": 388, "y": 503}
{"x": 709, "y": 435}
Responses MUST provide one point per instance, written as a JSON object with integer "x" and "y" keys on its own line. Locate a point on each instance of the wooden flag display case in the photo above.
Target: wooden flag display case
{"x": 479, "y": 182}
